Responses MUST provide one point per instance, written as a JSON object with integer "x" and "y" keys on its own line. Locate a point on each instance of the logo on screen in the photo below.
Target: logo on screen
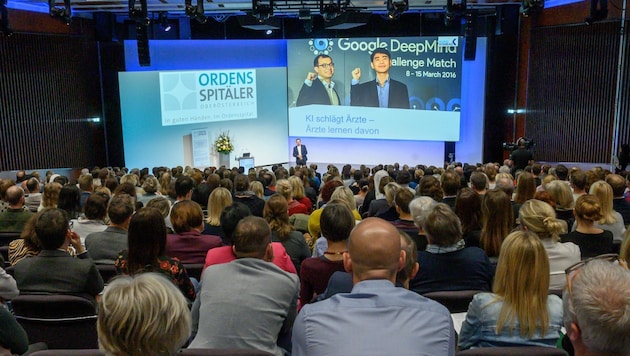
{"x": 178, "y": 91}
{"x": 320, "y": 45}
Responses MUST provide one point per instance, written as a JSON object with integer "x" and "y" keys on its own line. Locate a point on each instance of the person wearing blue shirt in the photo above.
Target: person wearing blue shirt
{"x": 376, "y": 317}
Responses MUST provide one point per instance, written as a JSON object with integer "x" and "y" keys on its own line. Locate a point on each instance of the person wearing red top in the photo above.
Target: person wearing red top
{"x": 284, "y": 188}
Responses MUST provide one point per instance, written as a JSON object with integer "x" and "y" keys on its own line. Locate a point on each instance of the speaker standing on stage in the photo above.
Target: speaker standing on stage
{"x": 300, "y": 152}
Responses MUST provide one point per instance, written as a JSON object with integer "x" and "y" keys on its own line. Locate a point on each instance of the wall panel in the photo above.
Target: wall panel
{"x": 49, "y": 88}
{"x": 571, "y": 92}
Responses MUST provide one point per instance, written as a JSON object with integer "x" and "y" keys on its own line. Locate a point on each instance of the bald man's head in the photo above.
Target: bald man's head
{"x": 374, "y": 251}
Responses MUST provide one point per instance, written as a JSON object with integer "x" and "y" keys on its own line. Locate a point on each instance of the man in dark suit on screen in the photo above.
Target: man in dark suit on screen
{"x": 318, "y": 87}
{"x": 382, "y": 92}
{"x": 300, "y": 152}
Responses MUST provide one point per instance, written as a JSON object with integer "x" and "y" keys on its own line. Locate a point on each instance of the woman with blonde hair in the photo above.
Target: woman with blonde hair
{"x": 497, "y": 222}
{"x": 611, "y": 220}
{"x": 518, "y": 312}
{"x": 143, "y": 314}
{"x": 562, "y": 194}
{"x": 297, "y": 187}
{"x": 540, "y": 218}
{"x": 257, "y": 188}
{"x": 275, "y": 212}
{"x": 284, "y": 188}
{"x": 384, "y": 208}
{"x": 218, "y": 200}
{"x": 592, "y": 240}
{"x": 50, "y": 196}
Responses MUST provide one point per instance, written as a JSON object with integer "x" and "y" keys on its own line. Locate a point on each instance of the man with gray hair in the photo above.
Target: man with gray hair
{"x": 597, "y": 308}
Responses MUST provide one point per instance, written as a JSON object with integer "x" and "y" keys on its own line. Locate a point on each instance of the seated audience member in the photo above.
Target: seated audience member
{"x": 352, "y": 324}
{"x": 518, "y": 312}
{"x": 373, "y": 191}
{"x": 450, "y": 182}
{"x": 86, "y": 185}
{"x": 68, "y": 201}
{"x": 230, "y": 217}
{"x": 141, "y": 315}
{"x": 498, "y": 221}
{"x": 34, "y": 198}
{"x": 15, "y": 217}
{"x": 342, "y": 195}
{"x": 163, "y": 205}
{"x": 429, "y": 186}
{"x": 284, "y": 188}
{"x": 336, "y": 223}
{"x": 578, "y": 184}
{"x": 611, "y": 220}
{"x": 187, "y": 243}
{"x": 591, "y": 240}
{"x": 479, "y": 182}
{"x": 297, "y": 187}
{"x": 258, "y": 189}
{"x": 446, "y": 264}
{"x": 363, "y": 188}
{"x": 420, "y": 207}
{"x": 218, "y": 200}
{"x": 146, "y": 253}
{"x": 150, "y": 187}
{"x": 341, "y": 282}
{"x": 275, "y": 213}
{"x": 28, "y": 244}
{"x": 325, "y": 196}
{"x": 105, "y": 245}
{"x": 468, "y": 210}
{"x": 54, "y": 270}
{"x": 540, "y": 218}
{"x": 385, "y": 209}
{"x": 563, "y": 197}
{"x": 249, "y": 302}
{"x": 247, "y": 197}
{"x": 620, "y": 205}
{"x": 597, "y": 309}
{"x": 93, "y": 218}
{"x": 13, "y": 338}
{"x": 404, "y": 222}
{"x": 50, "y": 198}
{"x": 8, "y": 288}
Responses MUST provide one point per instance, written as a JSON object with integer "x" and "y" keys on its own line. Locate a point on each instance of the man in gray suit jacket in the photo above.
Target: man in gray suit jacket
{"x": 54, "y": 270}
{"x": 105, "y": 245}
{"x": 249, "y": 302}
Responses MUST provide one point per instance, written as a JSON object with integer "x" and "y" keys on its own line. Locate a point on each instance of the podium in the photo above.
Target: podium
{"x": 246, "y": 162}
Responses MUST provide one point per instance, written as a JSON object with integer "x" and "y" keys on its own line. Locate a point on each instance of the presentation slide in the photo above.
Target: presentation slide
{"x": 334, "y": 88}
{"x": 196, "y": 90}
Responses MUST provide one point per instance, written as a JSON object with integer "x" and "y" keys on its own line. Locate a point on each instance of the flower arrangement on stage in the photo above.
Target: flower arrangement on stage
{"x": 224, "y": 144}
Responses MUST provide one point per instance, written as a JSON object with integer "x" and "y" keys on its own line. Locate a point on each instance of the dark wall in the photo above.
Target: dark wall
{"x": 49, "y": 88}
{"x": 572, "y": 89}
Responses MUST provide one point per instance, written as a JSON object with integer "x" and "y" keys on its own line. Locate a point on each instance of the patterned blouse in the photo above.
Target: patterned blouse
{"x": 169, "y": 266}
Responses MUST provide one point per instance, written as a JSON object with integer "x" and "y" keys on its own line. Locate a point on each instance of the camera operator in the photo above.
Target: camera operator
{"x": 521, "y": 157}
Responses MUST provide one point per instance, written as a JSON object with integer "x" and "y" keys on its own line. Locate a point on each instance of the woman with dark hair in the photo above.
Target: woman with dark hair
{"x": 68, "y": 201}
{"x": 94, "y": 216}
{"x": 28, "y": 244}
{"x": 146, "y": 253}
{"x": 525, "y": 188}
{"x": 50, "y": 198}
{"x": 275, "y": 212}
{"x": 313, "y": 221}
{"x": 498, "y": 221}
{"x": 468, "y": 209}
{"x": 430, "y": 187}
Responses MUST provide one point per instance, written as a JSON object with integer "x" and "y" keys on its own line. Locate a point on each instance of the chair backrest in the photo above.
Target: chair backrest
{"x": 61, "y": 321}
{"x": 107, "y": 272}
{"x": 514, "y": 351}
{"x": 455, "y": 301}
{"x": 194, "y": 270}
{"x": 220, "y": 352}
{"x": 7, "y": 237}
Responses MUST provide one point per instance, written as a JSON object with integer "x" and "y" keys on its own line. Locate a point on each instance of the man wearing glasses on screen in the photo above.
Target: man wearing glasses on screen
{"x": 318, "y": 87}
{"x": 597, "y": 306}
{"x": 382, "y": 92}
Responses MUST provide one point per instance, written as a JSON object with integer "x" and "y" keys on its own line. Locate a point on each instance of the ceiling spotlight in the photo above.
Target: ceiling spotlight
{"x": 163, "y": 21}
{"x": 396, "y": 8}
